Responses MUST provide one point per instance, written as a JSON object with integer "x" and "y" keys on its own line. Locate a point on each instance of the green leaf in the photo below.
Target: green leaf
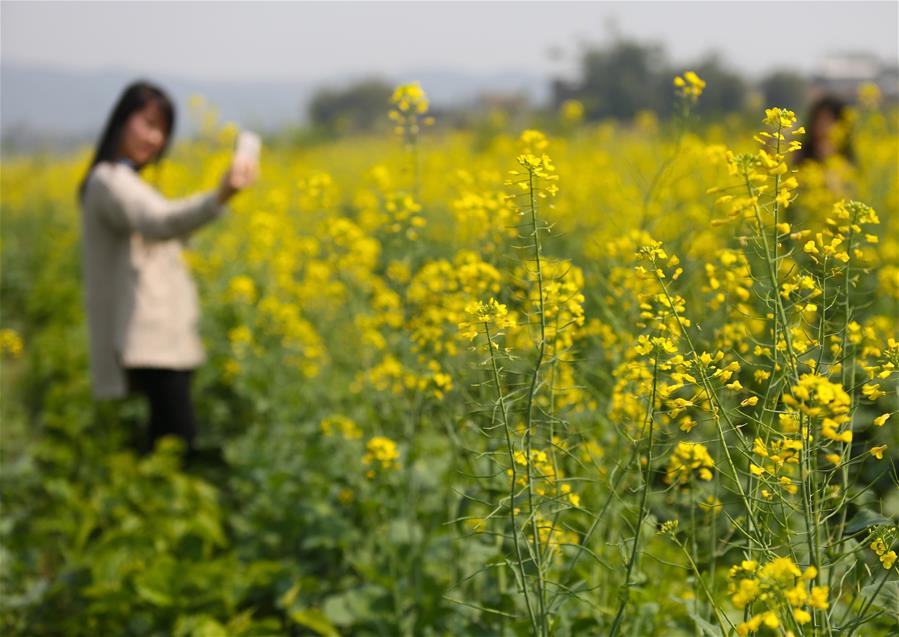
{"x": 338, "y": 610}
{"x": 704, "y": 625}
{"x": 198, "y": 626}
{"x": 158, "y": 582}
{"x": 316, "y": 620}
{"x": 357, "y": 605}
{"x": 888, "y": 596}
{"x": 289, "y": 596}
{"x": 863, "y": 519}
{"x": 401, "y": 531}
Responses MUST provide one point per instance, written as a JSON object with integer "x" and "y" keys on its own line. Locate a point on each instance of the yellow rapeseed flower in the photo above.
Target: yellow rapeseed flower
{"x": 10, "y": 343}
{"x": 880, "y": 420}
{"x": 690, "y": 85}
{"x": 381, "y": 451}
{"x": 689, "y": 458}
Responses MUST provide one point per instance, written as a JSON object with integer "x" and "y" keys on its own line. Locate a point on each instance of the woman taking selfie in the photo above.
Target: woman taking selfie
{"x": 141, "y": 301}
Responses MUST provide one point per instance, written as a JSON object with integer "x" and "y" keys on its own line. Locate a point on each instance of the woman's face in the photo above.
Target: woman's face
{"x": 144, "y": 134}
{"x": 823, "y": 131}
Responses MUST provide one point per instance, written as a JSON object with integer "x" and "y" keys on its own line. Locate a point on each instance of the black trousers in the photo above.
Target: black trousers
{"x": 171, "y": 408}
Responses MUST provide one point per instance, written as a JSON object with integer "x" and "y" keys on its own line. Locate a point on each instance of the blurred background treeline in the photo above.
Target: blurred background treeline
{"x": 617, "y": 79}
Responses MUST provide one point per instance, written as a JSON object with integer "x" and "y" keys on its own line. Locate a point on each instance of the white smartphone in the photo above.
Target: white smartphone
{"x": 248, "y": 145}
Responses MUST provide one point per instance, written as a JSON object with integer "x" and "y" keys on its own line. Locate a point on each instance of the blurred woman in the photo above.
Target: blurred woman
{"x": 141, "y": 302}
{"x": 826, "y": 161}
{"x": 827, "y": 130}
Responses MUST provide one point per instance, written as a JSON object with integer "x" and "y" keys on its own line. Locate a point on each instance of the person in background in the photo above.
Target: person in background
{"x": 826, "y": 160}
{"x": 827, "y": 131}
{"x": 141, "y": 302}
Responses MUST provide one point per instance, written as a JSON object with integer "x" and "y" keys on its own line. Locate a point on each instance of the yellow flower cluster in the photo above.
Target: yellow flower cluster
{"x": 856, "y": 213}
{"x": 839, "y": 238}
{"x": 776, "y": 455}
{"x": 482, "y": 215}
{"x": 883, "y": 538}
{"x": 820, "y": 399}
{"x": 348, "y": 429}
{"x": 385, "y": 211}
{"x": 317, "y": 191}
{"x": 563, "y": 300}
{"x": 552, "y": 535}
{"x": 655, "y": 255}
{"x": 382, "y": 453}
{"x": 402, "y": 214}
{"x": 689, "y": 459}
{"x": 538, "y": 168}
{"x": 410, "y": 109}
{"x": 532, "y": 141}
{"x": 780, "y": 118}
{"x": 869, "y": 95}
{"x": 535, "y": 166}
{"x": 572, "y": 111}
{"x": 439, "y": 294}
{"x": 389, "y": 374}
{"x": 10, "y": 343}
{"x": 756, "y": 170}
{"x": 888, "y": 363}
{"x": 690, "y": 85}
{"x": 241, "y": 289}
{"x": 800, "y": 289}
{"x": 301, "y": 344}
{"x": 772, "y": 589}
{"x": 547, "y": 477}
{"x": 660, "y": 307}
{"x": 729, "y": 281}
{"x": 491, "y": 314}
{"x": 675, "y": 373}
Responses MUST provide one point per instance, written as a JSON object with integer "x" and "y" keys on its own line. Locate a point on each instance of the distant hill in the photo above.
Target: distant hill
{"x": 54, "y": 108}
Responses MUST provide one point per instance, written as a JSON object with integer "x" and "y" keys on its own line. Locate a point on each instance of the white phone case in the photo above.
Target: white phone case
{"x": 248, "y": 145}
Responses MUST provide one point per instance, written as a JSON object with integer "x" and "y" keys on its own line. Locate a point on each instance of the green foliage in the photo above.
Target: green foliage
{"x": 626, "y": 76}
{"x": 619, "y": 80}
{"x": 355, "y": 108}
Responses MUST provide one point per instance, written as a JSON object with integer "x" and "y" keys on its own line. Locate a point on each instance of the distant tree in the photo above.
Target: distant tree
{"x": 726, "y": 90}
{"x": 785, "y": 88}
{"x": 617, "y": 80}
{"x": 626, "y": 77}
{"x": 359, "y": 107}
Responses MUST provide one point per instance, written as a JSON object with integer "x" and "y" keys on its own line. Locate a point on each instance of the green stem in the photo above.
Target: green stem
{"x": 625, "y": 594}
{"x": 596, "y": 520}
{"x": 721, "y": 617}
{"x": 844, "y": 466}
{"x": 529, "y": 413}
{"x": 511, "y": 449}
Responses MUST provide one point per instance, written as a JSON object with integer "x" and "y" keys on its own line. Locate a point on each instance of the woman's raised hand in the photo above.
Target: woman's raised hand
{"x": 241, "y": 174}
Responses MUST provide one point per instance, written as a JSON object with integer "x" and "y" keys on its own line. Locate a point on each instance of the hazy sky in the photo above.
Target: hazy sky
{"x": 314, "y": 40}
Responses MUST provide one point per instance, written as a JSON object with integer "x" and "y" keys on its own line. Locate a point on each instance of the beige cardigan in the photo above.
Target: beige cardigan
{"x": 141, "y": 302}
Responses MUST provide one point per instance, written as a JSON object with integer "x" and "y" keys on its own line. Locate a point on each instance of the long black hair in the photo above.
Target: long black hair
{"x": 135, "y": 97}
{"x": 839, "y": 110}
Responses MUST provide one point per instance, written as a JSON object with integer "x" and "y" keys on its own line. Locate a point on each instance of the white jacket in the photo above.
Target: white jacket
{"x": 141, "y": 301}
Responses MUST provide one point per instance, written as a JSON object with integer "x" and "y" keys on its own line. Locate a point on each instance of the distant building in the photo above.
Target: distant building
{"x": 843, "y": 73}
